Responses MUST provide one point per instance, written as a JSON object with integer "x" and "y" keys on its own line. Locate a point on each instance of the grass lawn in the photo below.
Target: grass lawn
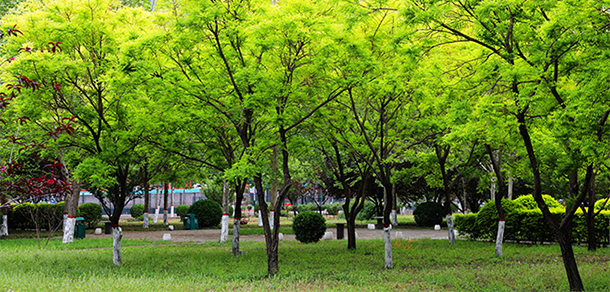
{"x": 429, "y": 265}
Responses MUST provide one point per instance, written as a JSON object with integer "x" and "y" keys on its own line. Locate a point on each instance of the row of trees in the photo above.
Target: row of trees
{"x": 377, "y": 99}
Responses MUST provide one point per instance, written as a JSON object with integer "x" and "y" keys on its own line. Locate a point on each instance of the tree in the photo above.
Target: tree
{"x": 529, "y": 52}
{"x": 87, "y": 75}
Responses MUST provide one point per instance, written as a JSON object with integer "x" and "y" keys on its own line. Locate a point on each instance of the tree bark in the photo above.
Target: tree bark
{"x": 4, "y": 227}
{"x": 500, "y": 237}
{"x": 224, "y": 230}
{"x": 70, "y": 212}
{"x": 235, "y": 244}
{"x": 146, "y": 204}
{"x": 117, "y": 235}
{"x": 450, "y": 229}
{"x": 165, "y": 203}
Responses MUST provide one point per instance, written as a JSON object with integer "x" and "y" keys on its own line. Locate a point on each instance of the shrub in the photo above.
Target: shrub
{"x": 527, "y": 202}
{"x": 91, "y": 212}
{"x": 48, "y": 216}
{"x": 307, "y": 207}
{"x": 208, "y": 212}
{"x": 429, "y": 214}
{"x": 136, "y": 211}
{"x": 309, "y": 226}
{"x": 231, "y": 209}
{"x": 22, "y": 216}
{"x": 599, "y": 203}
{"x": 182, "y": 210}
{"x": 467, "y": 224}
{"x": 368, "y": 211}
{"x": 283, "y": 213}
{"x": 487, "y": 219}
{"x": 332, "y": 209}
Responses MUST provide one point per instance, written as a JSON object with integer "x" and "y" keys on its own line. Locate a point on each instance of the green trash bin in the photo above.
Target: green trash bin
{"x": 190, "y": 222}
{"x": 79, "y": 228}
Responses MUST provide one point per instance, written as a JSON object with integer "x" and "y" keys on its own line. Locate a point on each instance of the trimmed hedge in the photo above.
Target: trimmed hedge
{"x": 527, "y": 202}
{"x": 91, "y": 212}
{"x": 530, "y": 225}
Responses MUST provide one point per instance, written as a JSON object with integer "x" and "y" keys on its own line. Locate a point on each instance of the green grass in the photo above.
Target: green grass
{"x": 428, "y": 265}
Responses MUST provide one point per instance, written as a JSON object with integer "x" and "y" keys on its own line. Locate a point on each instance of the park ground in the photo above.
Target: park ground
{"x": 196, "y": 261}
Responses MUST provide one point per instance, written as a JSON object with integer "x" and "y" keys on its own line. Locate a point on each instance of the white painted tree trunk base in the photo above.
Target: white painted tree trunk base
{"x": 450, "y": 229}
{"x": 500, "y": 237}
{"x": 271, "y": 219}
{"x": 69, "y": 224}
{"x": 388, "y": 247}
{"x": 145, "y": 224}
{"x": 165, "y": 218}
{"x": 394, "y": 217}
{"x": 156, "y": 215}
{"x": 171, "y": 212}
{"x": 117, "y": 235}
{"x": 260, "y": 219}
{"x": 4, "y": 226}
{"x": 224, "y": 229}
{"x": 235, "y": 246}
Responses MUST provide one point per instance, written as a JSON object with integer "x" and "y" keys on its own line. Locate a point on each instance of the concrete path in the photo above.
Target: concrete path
{"x": 214, "y": 235}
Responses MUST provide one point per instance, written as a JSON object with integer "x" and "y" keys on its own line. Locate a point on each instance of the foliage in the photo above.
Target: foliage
{"x": 368, "y": 211}
{"x": 530, "y": 225}
{"x": 309, "y": 226}
{"x": 332, "y": 209}
{"x": 598, "y": 205}
{"x": 22, "y": 216}
{"x": 91, "y": 212}
{"x": 182, "y": 210}
{"x": 307, "y": 207}
{"x": 429, "y": 214}
{"x": 208, "y": 212}
{"x": 487, "y": 219}
{"x": 136, "y": 211}
{"x": 527, "y": 202}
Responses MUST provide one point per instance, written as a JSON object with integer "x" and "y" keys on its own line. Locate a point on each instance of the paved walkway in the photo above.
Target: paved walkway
{"x": 214, "y": 234}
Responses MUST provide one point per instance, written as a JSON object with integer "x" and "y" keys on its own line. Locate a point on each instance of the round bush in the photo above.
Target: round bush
{"x": 429, "y": 214}
{"x": 208, "y": 212}
{"x": 91, "y": 212}
{"x": 309, "y": 226}
{"x": 182, "y": 210}
{"x": 136, "y": 211}
{"x": 527, "y": 202}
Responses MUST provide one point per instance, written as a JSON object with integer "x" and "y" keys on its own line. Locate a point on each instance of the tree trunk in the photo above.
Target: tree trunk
{"x": 511, "y": 183}
{"x": 500, "y": 237}
{"x": 569, "y": 261}
{"x": 351, "y": 232}
{"x": 117, "y": 235}
{"x": 224, "y": 229}
{"x": 146, "y": 205}
{"x": 387, "y": 197}
{"x": 156, "y": 206}
{"x": 591, "y": 238}
{"x": 235, "y": 246}
{"x": 394, "y": 215}
{"x": 70, "y": 212}
{"x": 271, "y": 218}
{"x": 270, "y": 241}
{"x": 4, "y": 227}
{"x": 165, "y": 203}
{"x": 260, "y": 218}
{"x": 450, "y": 228}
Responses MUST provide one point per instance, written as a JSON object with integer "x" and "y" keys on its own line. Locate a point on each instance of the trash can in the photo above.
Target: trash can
{"x": 340, "y": 233}
{"x": 107, "y": 227}
{"x": 190, "y": 222}
{"x": 79, "y": 228}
